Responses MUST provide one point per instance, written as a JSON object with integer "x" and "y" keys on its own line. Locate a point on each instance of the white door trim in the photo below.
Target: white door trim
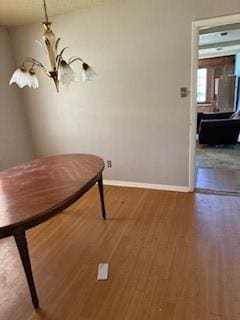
{"x": 196, "y": 25}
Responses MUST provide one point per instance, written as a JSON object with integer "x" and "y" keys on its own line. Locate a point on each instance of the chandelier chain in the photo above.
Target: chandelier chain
{"x": 45, "y": 10}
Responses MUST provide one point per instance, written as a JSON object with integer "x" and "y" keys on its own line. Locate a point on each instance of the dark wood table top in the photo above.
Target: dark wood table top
{"x": 34, "y": 191}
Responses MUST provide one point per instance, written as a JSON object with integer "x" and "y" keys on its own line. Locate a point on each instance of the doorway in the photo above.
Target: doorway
{"x": 214, "y": 157}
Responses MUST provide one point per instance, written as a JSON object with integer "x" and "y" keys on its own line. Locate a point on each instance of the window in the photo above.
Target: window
{"x": 209, "y": 70}
{"x": 202, "y": 85}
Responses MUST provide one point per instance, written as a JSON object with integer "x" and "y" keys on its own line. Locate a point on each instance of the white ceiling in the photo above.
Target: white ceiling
{"x": 19, "y": 12}
{"x": 222, "y": 42}
{"x": 215, "y": 52}
{"x": 219, "y": 37}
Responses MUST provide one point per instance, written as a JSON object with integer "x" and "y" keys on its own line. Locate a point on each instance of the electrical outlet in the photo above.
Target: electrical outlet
{"x": 109, "y": 163}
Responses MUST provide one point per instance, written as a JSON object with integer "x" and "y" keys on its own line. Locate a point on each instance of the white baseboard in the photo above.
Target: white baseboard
{"x": 130, "y": 184}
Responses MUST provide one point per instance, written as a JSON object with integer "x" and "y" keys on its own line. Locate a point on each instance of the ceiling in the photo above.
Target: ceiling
{"x": 219, "y": 41}
{"x": 19, "y": 12}
{"x": 219, "y": 37}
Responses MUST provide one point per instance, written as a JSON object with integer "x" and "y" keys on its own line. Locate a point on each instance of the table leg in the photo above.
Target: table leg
{"x": 22, "y": 246}
{"x": 100, "y": 187}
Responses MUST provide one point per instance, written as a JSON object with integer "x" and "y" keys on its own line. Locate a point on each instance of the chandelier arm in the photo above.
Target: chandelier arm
{"x": 61, "y": 53}
{"x": 57, "y": 43}
{"x": 59, "y": 57}
{"x": 73, "y": 59}
{"x": 38, "y": 64}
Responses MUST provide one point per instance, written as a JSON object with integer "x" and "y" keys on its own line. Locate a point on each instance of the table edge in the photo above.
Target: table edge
{"x": 29, "y": 223}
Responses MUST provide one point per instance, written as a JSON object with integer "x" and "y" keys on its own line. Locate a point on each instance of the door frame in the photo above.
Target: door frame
{"x": 196, "y": 25}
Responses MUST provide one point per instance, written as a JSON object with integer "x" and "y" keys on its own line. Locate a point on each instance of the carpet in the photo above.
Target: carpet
{"x": 222, "y": 157}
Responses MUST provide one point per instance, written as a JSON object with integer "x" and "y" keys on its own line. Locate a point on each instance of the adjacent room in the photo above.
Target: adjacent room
{"x": 218, "y": 113}
{"x": 99, "y": 215}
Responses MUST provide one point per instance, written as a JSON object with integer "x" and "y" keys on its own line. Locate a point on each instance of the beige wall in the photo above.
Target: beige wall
{"x": 133, "y": 113}
{"x": 15, "y": 141}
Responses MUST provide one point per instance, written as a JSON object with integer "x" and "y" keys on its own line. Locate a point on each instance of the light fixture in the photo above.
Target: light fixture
{"x": 60, "y": 70}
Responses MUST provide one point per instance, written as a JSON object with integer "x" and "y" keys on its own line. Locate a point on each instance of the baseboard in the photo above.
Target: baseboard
{"x": 130, "y": 184}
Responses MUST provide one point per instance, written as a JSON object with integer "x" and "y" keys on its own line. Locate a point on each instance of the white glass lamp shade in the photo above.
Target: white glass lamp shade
{"x": 66, "y": 74}
{"x": 33, "y": 79}
{"x": 88, "y": 73}
{"x": 21, "y": 77}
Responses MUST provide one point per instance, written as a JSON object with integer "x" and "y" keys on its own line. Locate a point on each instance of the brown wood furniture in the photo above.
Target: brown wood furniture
{"x": 35, "y": 191}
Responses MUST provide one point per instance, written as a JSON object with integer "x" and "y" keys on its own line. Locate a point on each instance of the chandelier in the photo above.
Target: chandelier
{"x": 60, "y": 69}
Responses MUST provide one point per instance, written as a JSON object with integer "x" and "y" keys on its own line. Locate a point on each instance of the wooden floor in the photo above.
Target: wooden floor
{"x": 227, "y": 180}
{"x": 173, "y": 256}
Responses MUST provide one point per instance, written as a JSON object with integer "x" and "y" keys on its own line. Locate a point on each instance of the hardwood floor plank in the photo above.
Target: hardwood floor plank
{"x": 172, "y": 256}
{"x": 225, "y": 180}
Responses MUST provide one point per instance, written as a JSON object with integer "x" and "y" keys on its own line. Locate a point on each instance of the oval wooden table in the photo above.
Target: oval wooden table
{"x": 35, "y": 191}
